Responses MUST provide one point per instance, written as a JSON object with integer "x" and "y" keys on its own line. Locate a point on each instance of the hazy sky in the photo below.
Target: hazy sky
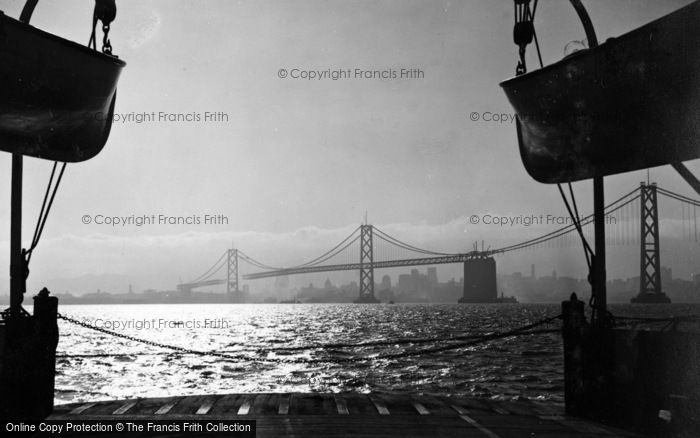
{"x": 299, "y": 162}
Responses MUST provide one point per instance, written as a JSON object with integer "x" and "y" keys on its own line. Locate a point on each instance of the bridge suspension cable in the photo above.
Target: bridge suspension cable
{"x": 337, "y": 249}
{"x": 394, "y": 241}
{"x": 245, "y": 257}
{"x": 211, "y": 271}
{"x": 678, "y": 197}
{"x": 332, "y": 252}
{"x": 610, "y": 208}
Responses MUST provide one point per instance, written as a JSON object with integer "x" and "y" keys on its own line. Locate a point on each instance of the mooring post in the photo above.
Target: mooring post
{"x": 46, "y": 332}
{"x": 573, "y": 331}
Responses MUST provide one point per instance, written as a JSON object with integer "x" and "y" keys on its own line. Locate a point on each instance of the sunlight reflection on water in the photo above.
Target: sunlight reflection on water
{"x": 528, "y": 367}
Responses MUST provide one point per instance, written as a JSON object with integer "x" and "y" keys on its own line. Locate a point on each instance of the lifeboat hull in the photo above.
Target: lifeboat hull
{"x": 631, "y": 103}
{"x": 56, "y": 97}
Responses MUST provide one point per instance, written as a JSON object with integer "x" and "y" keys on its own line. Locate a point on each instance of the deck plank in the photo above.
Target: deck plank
{"x": 206, "y": 406}
{"x": 379, "y": 405}
{"x": 149, "y": 406}
{"x": 245, "y": 406}
{"x": 341, "y": 405}
{"x": 82, "y": 408}
{"x": 422, "y": 410}
{"x": 283, "y": 408}
{"x": 266, "y": 404}
{"x": 335, "y": 426}
{"x": 226, "y": 406}
{"x": 483, "y": 429}
{"x": 125, "y": 407}
{"x": 166, "y": 408}
{"x": 312, "y": 404}
{"x": 190, "y": 404}
{"x": 436, "y": 405}
{"x": 104, "y": 407}
{"x": 359, "y": 404}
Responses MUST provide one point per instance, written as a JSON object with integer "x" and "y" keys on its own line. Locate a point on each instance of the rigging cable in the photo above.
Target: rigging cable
{"x": 44, "y": 213}
{"x": 577, "y": 223}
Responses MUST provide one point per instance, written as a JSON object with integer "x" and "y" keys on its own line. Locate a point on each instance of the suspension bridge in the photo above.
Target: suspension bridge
{"x": 368, "y": 248}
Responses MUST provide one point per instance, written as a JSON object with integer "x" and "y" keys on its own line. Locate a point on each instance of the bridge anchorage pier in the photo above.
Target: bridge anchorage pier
{"x": 366, "y": 267}
{"x": 480, "y": 281}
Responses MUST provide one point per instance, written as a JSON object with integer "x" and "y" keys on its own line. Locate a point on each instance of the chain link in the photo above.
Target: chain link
{"x": 106, "y": 44}
{"x": 158, "y": 344}
{"x": 525, "y": 330}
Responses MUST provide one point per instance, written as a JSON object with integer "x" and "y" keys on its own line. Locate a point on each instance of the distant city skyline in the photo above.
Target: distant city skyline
{"x": 414, "y": 285}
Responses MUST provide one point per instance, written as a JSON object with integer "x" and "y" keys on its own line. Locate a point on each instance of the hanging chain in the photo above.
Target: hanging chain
{"x": 105, "y": 11}
{"x": 523, "y": 31}
{"x": 106, "y": 44}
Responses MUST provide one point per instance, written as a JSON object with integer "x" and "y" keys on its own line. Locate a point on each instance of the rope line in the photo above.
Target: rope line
{"x": 45, "y": 209}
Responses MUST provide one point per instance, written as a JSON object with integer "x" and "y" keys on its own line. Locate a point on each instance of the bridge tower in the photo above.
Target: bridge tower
{"x": 649, "y": 261}
{"x": 232, "y": 272}
{"x": 366, "y": 266}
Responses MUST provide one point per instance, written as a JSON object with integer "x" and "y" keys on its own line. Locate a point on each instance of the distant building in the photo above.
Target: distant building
{"x": 696, "y": 279}
{"x": 666, "y": 276}
{"x": 282, "y": 282}
{"x": 432, "y": 276}
{"x": 386, "y": 283}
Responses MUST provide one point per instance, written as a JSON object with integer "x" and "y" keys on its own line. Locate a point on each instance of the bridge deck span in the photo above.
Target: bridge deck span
{"x": 452, "y": 258}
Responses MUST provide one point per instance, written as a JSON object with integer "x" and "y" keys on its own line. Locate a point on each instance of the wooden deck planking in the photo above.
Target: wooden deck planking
{"x": 380, "y": 426}
{"x": 82, "y": 408}
{"x": 359, "y": 404}
{"x": 266, "y": 404}
{"x": 512, "y": 426}
{"x": 351, "y": 414}
{"x": 341, "y": 405}
{"x": 435, "y": 405}
{"x": 395, "y": 404}
{"x": 245, "y": 405}
{"x": 104, "y": 408}
{"x": 226, "y": 406}
{"x": 149, "y": 406}
{"x": 189, "y": 405}
{"x": 310, "y": 404}
{"x": 422, "y": 410}
{"x": 283, "y": 407}
{"x": 123, "y": 409}
{"x": 206, "y": 406}
{"x": 166, "y": 408}
{"x": 379, "y": 405}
